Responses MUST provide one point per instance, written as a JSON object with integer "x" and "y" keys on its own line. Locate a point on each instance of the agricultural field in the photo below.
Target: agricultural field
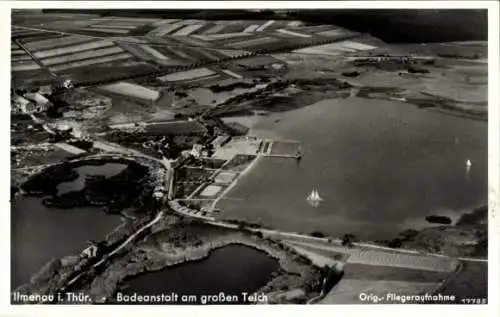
{"x": 130, "y": 90}
{"x": 200, "y": 73}
{"x": 121, "y": 41}
{"x": 338, "y": 48}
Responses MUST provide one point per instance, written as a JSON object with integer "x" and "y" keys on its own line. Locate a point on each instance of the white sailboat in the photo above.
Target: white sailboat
{"x": 314, "y": 196}
{"x": 468, "y": 164}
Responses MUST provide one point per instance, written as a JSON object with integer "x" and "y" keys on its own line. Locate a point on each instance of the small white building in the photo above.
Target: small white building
{"x": 197, "y": 150}
{"x": 40, "y": 102}
{"x": 90, "y": 252}
{"x": 38, "y": 98}
{"x": 20, "y": 104}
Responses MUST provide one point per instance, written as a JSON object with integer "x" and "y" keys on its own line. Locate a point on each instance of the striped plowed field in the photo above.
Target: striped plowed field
{"x": 145, "y": 52}
{"x": 54, "y": 52}
{"x": 421, "y": 262}
{"x": 24, "y": 66}
{"x": 313, "y": 29}
{"x": 85, "y": 55}
{"x": 56, "y": 42}
{"x": 92, "y": 61}
{"x": 390, "y": 273}
{"x": 388, "y": 258}
{"x": 106, "y": 71}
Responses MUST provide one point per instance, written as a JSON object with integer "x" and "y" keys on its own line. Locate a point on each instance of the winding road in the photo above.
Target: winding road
{"x": 121, "y": 246}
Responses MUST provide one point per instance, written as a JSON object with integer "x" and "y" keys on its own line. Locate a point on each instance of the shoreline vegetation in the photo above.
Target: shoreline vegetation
{"x": 290, "y": 94}
{"x": 129, "y": 188}
{"x": 467, "y": 238}
{"x": 192, "y": 240}
{"x": 53, "y": 275}
{"x": 176, "y": 240}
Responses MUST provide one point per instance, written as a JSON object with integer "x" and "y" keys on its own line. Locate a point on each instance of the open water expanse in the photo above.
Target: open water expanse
{"x": 380, "y": 167}
{"x": 41, "y": 233}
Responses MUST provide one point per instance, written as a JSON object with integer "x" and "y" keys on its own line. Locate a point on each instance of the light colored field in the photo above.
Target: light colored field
{"x": 153, "y": 52}
{"x": 251, "y": 28}
{"x": 165, "y": 29}
{"x": 348, "y": 290}
{"x": 294, "y": 24}
{"x": 83, "y": 55}
{"x": 210, "y": 191}
{"x": 180, "y": 53}
{"x": 132, "y": 90}
{"x": 122, "y": 23}
{"x": 185, "y": 31}
{"x": 31, "y": 66}
{"x": 225, "y": 177}
{"x": 264, "y": 26}
{"x": 163, "y": 22}
{"x": 186, "y": 75}
{"x": 114, "y": 26}
{"x": 62, "y": 41}
{"x": 252, "y": 42}
{"x": 222, "y": 36}
{"x": 136, "y": 51}
{"x": 333, "y": 49}
{"x": 123, "y": 19}
{"x": 357, "y": 46}
{"x": 285, "y": 31}
{"x": 232, "y": 53}
{"x": 114, "y": 31}
{"x": 370, "y": 257}
{"x": 189, "y": 22}
{"x": 16, "y": 58}
{"x": 215, "y": 29}
{"x": 231, "y": 73}
{"x": 100, "y": 60}
{"x": 73, "y": 49}
{"x": 208, "y": 54}
{"x": 17, "y": 52}
{"x": 332, "y": 33}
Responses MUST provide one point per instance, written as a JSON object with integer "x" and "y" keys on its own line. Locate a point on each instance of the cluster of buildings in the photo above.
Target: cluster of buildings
{"x": 32, "y": 102}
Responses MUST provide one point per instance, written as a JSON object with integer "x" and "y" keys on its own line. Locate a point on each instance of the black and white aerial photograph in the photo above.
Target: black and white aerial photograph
{"x": 248, "y": 156}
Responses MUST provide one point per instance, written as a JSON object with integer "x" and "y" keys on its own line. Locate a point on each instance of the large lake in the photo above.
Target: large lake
{"x": 380, "y": 166}
{"x": 232, "y": 269}
{"x": 40, "y": 233}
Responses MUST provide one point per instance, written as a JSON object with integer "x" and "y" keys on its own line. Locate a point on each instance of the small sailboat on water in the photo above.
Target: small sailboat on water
{"x": 314, "y": 196}
{"x": 468, "y": 164}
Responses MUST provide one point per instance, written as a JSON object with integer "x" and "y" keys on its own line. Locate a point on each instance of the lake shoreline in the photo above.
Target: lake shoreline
{"x": 279, "y": 125}
{"x": 294, "y": 269}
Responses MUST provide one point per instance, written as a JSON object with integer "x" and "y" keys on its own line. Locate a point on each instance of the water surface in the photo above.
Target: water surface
{"x": 40, "y": 234}
{"x": 108, "y": 170}
{"x": 232, "y": 269}
{"x": 380, "y": 166}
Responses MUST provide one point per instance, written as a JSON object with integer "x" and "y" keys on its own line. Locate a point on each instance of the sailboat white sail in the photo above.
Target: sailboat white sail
{"x": 468, "y": 163}
{"x": 314, "y": 196}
